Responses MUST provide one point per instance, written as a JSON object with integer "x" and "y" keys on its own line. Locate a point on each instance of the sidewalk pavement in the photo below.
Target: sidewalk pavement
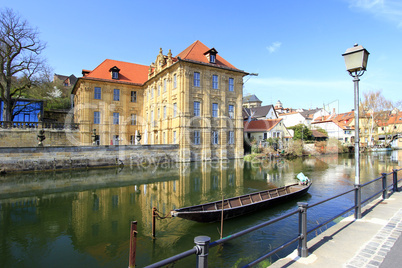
{"x": 375, "y": 240}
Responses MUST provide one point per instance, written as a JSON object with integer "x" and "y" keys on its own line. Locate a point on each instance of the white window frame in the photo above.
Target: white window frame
{"x": 197, "y": 137}
{"x": 212, "y": 58}
{"x": 215, "y": 81}
{"x": 197, "y": 79}
{"x": 231, "y": 137}
{"x": 231, "y": 111}
{"x": 215, "y": 137}
{"x": 133, "y": 119}
{"x": 133, "y": 96}
{"x": 97, "y": 116}
{"x": 116, "y": 94}
{"x": 116, "y": 118}
{"x": 115, "y": 75}
{"x": 197, "y": 108}
{"x": 231, "y": 84}
{"x": 215, "y": 111}
{"x": 97, "y": 93}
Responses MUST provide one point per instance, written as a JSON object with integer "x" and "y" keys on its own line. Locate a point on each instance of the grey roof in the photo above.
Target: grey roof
{"x": 306, "y": 113}
{"x": 257, "y": 112}
{"x": 251, "y": 98}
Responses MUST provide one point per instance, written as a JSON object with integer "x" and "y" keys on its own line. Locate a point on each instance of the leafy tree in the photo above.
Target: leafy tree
{"x": 323, "y": 131}
{"x": 302, "y": 132}
{"x": 20, "y": 61}
{"x": 54, "y": 93}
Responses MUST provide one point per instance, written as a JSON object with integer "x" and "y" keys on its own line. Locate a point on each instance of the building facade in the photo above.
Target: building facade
{"x": 193, "y": 99}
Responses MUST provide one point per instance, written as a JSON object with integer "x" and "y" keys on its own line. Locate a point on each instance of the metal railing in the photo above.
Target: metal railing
{"x": 203, "y": 243}
{"x": 36, "y": 125}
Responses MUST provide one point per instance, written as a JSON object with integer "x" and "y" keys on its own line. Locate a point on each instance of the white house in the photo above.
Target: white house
{"x": 260, "y": 113}
{"x": 261, "y": 130}
{"x": 339, "y": 126}
{"x": 305, "y": 117}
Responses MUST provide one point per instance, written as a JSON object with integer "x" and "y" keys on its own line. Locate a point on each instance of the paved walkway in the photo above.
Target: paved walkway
{"x": 373, "y": 241}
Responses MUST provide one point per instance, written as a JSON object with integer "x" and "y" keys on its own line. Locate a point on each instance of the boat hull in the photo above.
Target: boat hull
{"x": 196, "y": 214}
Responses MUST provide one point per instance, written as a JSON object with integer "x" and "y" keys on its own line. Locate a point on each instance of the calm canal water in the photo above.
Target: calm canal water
{"x": 82, "y": 218}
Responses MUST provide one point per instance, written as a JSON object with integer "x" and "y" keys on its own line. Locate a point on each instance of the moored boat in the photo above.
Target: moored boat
{"x": 240, "y": 205}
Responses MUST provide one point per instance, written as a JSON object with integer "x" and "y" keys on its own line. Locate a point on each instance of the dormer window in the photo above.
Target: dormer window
{"x": 211, "y": 55}
{"x": 212, "y": 58}
{"x": 115, "y": 72}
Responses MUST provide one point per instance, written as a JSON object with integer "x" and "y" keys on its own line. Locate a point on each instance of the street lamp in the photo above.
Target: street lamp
{"x": 356, "y": 63}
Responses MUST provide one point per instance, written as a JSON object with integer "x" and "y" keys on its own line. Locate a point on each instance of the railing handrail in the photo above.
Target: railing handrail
{"x": 35, "y": 125}
{"x": 290, "y": 242}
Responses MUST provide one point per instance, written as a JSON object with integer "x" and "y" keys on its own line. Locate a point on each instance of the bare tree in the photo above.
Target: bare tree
{"x": 20, "y": 60}
{"x": 375, "y": 109}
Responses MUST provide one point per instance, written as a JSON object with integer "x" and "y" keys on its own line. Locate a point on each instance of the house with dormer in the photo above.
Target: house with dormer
{"x": 193, "y": 99}
{"x": 260, "y": 113}
{"x": 305, "y": 117}
{"x": 338, "y": 126}
{"x": 251, "y": 101}
{"x": 261, "y": 130}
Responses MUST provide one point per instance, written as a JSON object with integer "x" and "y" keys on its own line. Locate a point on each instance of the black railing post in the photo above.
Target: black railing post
{"x": 202, "y": 246}
{"x": 395, "y": 180}
{"x": 384, "y": 186}
{"x": 302, "y": 249}
{"x": 358, "y": 202}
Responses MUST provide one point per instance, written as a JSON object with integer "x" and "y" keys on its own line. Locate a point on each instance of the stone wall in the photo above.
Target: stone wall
{"x": 54, "y": 158}
{"x": 19, "y": 137}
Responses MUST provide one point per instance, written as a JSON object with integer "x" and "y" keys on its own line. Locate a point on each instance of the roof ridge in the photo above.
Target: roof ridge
{"x": 190, "y": 48}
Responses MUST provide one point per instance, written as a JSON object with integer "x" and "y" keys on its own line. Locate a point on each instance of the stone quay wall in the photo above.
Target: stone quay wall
{"x": 20, "y": 137}
{"x": 74, "y": 157}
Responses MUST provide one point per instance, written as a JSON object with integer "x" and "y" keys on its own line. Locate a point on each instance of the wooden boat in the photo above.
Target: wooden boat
{"x": 240, "y": 205}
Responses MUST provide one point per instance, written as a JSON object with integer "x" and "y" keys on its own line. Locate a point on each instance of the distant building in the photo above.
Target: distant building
{"x": 339, "y": 126}
{"x": 280, "y": 109}
{"x": 251, "y": 101}
{"x": 67, "y": 81}
{"x": 302, "y": 116}
{"x": 260, "y": 113}
{"x": 261, "y": 130}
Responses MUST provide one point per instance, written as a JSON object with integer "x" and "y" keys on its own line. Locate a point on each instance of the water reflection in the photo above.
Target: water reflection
{"x": 82, "y": 218}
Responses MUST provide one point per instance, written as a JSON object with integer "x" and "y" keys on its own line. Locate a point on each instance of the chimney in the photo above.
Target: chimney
{"x": 85, "y": 72}
{"x": 333, "y": 111}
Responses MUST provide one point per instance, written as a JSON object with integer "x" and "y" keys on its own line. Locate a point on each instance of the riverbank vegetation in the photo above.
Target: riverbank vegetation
{"x": 297, "y": 148}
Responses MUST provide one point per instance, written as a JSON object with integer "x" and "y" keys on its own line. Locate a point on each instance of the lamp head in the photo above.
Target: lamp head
{"x": 356, "y": 58}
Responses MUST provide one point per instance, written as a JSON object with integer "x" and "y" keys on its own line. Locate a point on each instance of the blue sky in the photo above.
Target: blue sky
{"x": 295, "y": 46}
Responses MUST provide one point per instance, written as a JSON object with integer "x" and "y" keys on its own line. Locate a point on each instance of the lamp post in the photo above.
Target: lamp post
{"x": 356, "y": 63}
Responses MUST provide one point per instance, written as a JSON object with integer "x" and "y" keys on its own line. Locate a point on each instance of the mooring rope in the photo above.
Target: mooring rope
{"x": 159, "y": 217}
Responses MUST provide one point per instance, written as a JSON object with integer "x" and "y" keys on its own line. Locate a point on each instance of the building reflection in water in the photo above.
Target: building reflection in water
{"x": 94, "y": 208}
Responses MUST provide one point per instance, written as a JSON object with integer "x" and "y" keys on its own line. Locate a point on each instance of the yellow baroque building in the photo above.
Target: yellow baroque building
{"x": 193, "y": 99}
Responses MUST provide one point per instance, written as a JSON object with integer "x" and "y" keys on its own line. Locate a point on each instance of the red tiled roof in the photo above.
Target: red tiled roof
{"x": 341, "y": 120}
{"x": 129, "y": 72}
{"x": 395, "y": 119}
{"x": 261, "y": 125}
{"x": 195, "y": 52}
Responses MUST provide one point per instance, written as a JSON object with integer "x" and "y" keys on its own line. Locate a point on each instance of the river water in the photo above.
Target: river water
{"x": 82, "y": 218}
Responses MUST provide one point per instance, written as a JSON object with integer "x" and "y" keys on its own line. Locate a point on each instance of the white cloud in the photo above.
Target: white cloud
{"x": 390, "y": 10}
{"x": 274, "y": 47}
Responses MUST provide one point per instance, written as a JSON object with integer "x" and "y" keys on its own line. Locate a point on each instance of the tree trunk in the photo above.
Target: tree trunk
{"x": 7, "y": 111}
